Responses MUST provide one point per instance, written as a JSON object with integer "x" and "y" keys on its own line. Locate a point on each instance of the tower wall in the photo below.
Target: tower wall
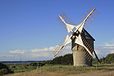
{"x": 80, "y": 56}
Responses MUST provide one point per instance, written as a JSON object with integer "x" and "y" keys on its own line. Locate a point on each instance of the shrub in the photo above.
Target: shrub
{"x": 4, "y": 69}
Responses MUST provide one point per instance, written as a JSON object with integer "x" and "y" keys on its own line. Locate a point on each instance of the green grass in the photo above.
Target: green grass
{"x": 69, "y": 69}
{"x": 21, "y": 67}
{"x": 65, "y": 70}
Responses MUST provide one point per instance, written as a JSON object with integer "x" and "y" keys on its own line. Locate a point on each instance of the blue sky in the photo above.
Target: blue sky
{"x": 27, "y": 25}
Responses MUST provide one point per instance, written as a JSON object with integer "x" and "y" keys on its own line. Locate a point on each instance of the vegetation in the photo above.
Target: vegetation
{"x": 21, "y": 67}
{"x": 4, "y": 69}
{"x": 67, "y": 70}
{"x": 109, "y": 58}
{"x": 63, "y": 60}
{"x": 68, "y": 60}
{"x": 58, "y": 64}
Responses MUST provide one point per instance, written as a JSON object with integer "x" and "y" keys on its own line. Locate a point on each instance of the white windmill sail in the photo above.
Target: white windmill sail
{"x": 66, "y": 42}
{"x": 69, "y": 27}
{"x": 96, "y": 56}
{"x": 80, "y": 42}
{"x": 81, "y": 25}
{"x": 88, "y": 15}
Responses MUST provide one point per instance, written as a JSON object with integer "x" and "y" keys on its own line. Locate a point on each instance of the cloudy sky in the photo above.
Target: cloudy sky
{"x": 31, "y": 29}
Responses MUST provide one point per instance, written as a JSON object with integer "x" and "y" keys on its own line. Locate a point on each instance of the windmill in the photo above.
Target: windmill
{"x": 82, "y": 43}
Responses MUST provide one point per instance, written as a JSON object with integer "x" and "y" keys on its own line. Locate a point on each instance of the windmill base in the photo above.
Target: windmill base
{"x": 81, "y": 57}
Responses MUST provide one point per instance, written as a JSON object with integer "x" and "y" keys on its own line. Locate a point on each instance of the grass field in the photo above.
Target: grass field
{"x": 68, "y": 70}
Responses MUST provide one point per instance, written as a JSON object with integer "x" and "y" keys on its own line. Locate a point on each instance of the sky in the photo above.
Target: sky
{"x": 31, "y": 29}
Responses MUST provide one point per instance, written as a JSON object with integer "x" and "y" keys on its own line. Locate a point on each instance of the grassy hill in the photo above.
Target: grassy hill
{"x": 61, "y": 65}
{"x": 67, "y": 70}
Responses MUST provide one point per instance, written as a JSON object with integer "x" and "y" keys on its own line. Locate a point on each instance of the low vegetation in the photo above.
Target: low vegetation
{"x": 109, "y": 59}
{"x": 67, "y": 70}
{"x": 16, "y": 68}
{"x": 66, "y": 61}
{"x": 4, "y": 69}
{"x": 63, "y": 60}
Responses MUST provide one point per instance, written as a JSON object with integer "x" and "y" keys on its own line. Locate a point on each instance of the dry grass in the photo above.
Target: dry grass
{"x": 60, "y": 70}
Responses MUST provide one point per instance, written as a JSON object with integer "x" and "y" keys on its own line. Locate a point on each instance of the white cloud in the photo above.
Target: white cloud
{"x": 105, "y": 49}
{"x": 109, "y": 46}
{"x": 40, "y": 54}
{"x": 112, "y": 51}
{"x": 48, "y": 53}
{"x": 31, "y": 54}
{"x": 17, "y": 51}
{"x": 38, "y": 50}
{"x": 44, "y": 52}
{"x": 52, "y": 48}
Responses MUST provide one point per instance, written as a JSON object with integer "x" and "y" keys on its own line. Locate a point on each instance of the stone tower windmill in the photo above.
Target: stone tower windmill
{"x": 82, "y": 43}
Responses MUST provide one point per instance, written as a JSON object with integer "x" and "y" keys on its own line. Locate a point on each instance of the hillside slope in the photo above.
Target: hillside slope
{"x": 60, "y": 70}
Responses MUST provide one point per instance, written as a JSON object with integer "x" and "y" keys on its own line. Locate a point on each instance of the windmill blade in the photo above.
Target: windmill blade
{"x": 58, "y": 50}
{"x": 69, "y": 27}
{"x": 88, "y": 15}
{"x": 97, "y": 57}
{"x": 80, "y": 42}
{"x": 67, "y": 39}
{"x": 66, "y": 42}
{"x": 81, "y": 25}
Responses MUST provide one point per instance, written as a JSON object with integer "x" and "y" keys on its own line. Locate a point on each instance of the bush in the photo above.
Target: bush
{"x": 38, "y": 64}
{"x": 4, "y": 69}
{"x": 65, "y": 60}
{"x": 109, "y": 58}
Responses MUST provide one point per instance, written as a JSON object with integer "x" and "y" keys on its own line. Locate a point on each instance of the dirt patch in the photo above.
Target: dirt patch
{"x": 92, "y": 73}
{"x": 95, "y": 73}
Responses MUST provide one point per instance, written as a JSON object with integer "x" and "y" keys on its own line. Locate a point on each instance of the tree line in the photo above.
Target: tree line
{"x": 68, "y": 60}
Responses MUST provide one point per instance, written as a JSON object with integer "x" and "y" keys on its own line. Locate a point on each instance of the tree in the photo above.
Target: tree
{"x": 4, "y": 69}
{"x": 109, "y": 58}
{"x": 64, "y": 60}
